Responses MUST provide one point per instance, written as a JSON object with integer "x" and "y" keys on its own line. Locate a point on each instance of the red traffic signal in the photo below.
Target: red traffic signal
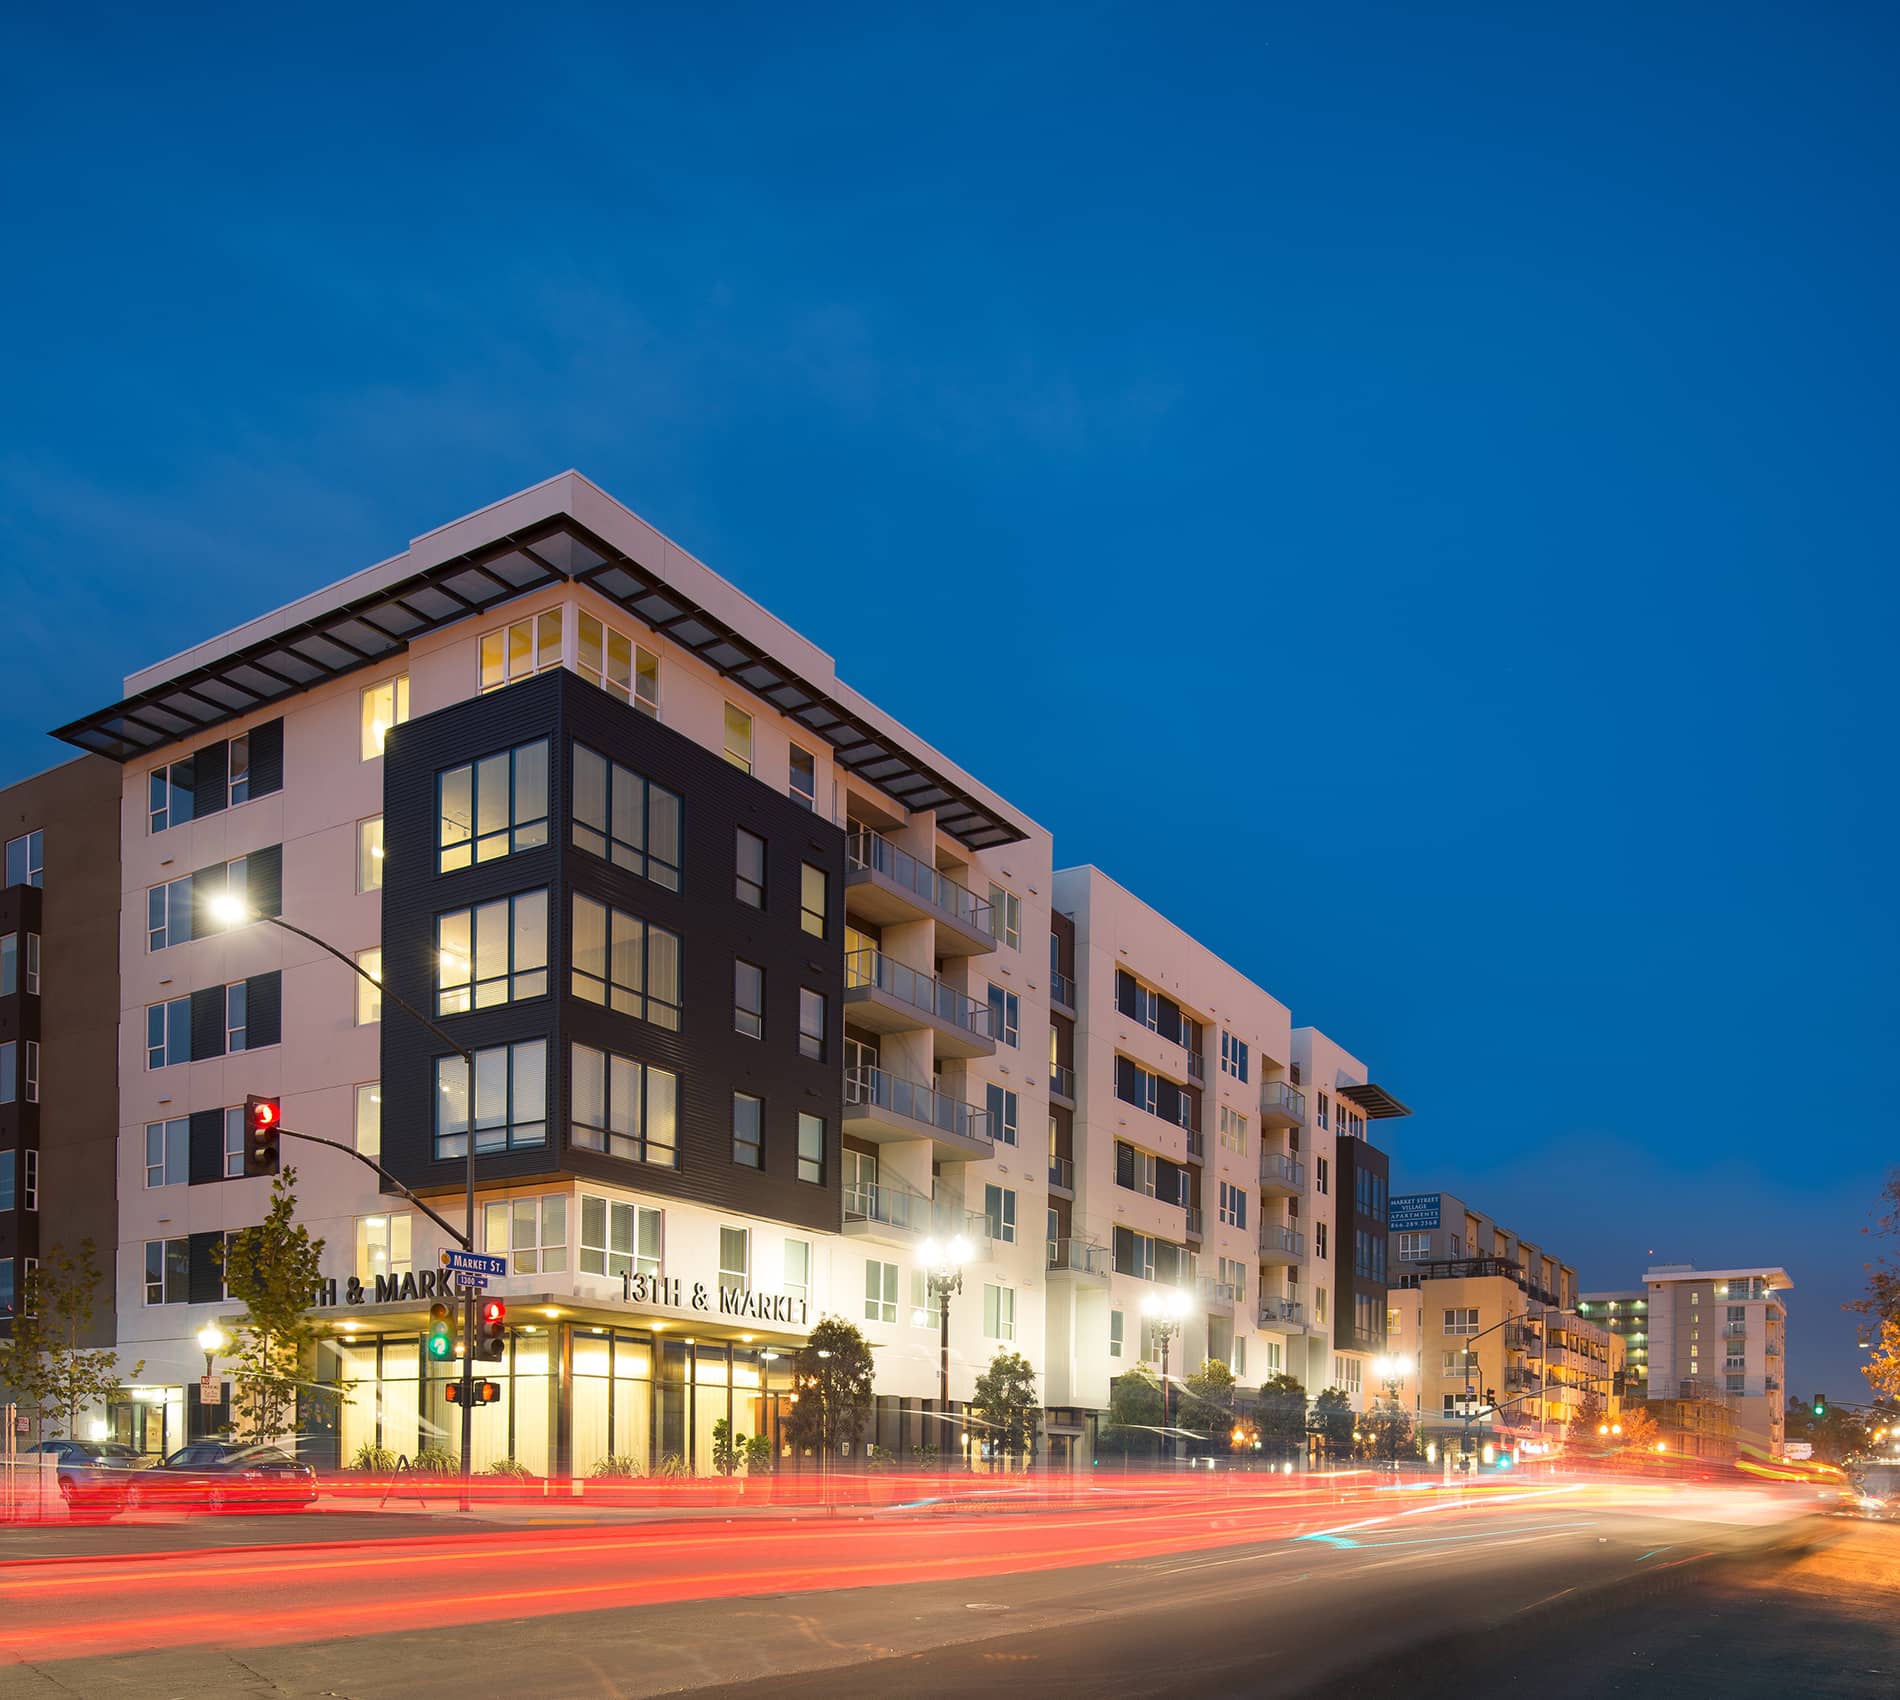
{"x": 487, "y": 1393}
{"x": 491, "y": 1331}
{"x": 263, "y": 1118}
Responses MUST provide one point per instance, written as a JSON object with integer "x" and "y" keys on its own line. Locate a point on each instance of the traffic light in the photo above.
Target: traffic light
{"x": 452, "y": 1391}
{"x": 1820, "y": 1404}
{"x": 441, "y": 1336}
{"x": 487, "y": 1392}
{"x": 262, "y": 1117}
{"x": 1491, "y": 1397}
{"x": 1619, "y": 1383}
{"x": 491, "y": 1331}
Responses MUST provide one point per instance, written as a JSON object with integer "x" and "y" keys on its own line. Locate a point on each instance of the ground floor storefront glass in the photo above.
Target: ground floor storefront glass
{"x": 572, "y": 1396}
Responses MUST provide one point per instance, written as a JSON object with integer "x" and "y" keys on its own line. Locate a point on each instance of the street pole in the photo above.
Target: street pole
{"x": 943, "y": 1272}
{"x": 1167, "y": 1421}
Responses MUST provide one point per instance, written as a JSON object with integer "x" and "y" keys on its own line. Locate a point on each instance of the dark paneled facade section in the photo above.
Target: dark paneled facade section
{"x": 711, "y": 1059}
{"x": 1357, "y": 1162}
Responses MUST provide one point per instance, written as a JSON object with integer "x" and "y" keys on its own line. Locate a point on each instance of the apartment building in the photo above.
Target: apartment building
{"x": 741, "y": 961}
{"x": 1719, "y": 1337}
{"x": 1626, "y": 1314}
{"x": 59, "y": 895}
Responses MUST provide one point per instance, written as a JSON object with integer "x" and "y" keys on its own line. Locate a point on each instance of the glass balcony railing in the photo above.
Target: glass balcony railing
{"x": 1062, "y": 1173}
{"x": 1196, "y": 1145}
{"x": 1061, "y": 989}
{"x": 1194, "y": 1219}
{"x": 1276, "y": 1170}
{"x": 1215, "y": 1292}
{"x": 1082, "y": 1257}
{"x": 916, "y": 1102}
{"x": 1274, "y": 1312}
{"x": 1197, "y": 1066}
{"x": 1284, "y": 1241}
{"x": 1280, "y": 1101}
{"x": 889, "y": 1205}
{"x": 1061, "y": 1080}
{"x": 921, "y": 991}
{"x": 865, "y": 849}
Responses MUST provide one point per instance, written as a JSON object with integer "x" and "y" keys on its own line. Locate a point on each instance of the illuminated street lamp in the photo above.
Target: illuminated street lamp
{"x": 212, "y": 1340}
{"x": 1165, "y": 1311}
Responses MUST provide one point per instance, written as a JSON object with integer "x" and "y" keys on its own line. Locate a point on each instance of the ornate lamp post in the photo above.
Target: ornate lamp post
{"x": 943, "y": 1272}
{"x": 1392, "y": 1370}
{"x": 1165, "y": 1310}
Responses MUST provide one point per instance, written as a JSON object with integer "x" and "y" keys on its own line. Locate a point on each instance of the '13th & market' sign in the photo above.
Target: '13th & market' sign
{"x": 664, "y": 1291}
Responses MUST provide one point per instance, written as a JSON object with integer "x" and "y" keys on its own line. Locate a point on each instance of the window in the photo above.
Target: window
{"x": 1322, "y": 1176}
{"x": 626, "y": 819}
{"x": 624, "y": 1108}
{"x": 168, "y": 914}
{"x": 811, "y": 1148}
{"x": 1233, "y": 1130}
{"x": 168, "y": 1152}
{"x": 1002, "y": 1108}
{"x": 237, "y": 772}
{"x": 804, "y": 784}
{"x": 522, "y": 649}
{"x": 1462, "y": 1321}
{"x": 1458, "y": 1404}
{"x": 369, "y": 1119}
{"x": 880, "y": 1292}
{"x": 1136, "y": 1171}
{"x": 1348, "y": 1374}
{"x": 748, "y": 999}
{"x": 811, "y": 1024}
{"x": 369, "y": 854}
{"x": 626, "y": 963}
{"x": 492, "y": 808}
{"x": 739, "y": 738}
{"x": 999, "y": 1312}
{"x": 7, "y": 1160}
{"x": 617, "y": 664}
{"x": 797, "y": 1281}
{"x": 619, "y": 1238}
{"x": 1134, "y": 1255}
{"x": 1233, "y": 1056}
{"x": 19, "y": 968}
{"x": 749, "y": 884}
{"x": 168, "y": 1032}
{"x": 1233, "y": 1273}
{"x": 1006, "y": 917}
{"x": 530, "y": 1232}
{"x": 26, "y": 859}
{"x": 1320, "y": 1231}
{"x": 511, "y": 1100}
{"x": 369, "y": 993}
{"x": 383, "y": 1246}
{"x": 1319, "y": 1304}
{"x": 748, "y": 1130}
{"x": 1233, "y": 1205}
{"x": 167, "y": 1271}
{"x": 1117, "y": 1333}
{"x": 492, "y": 954}
{"x": 29, "y": 1180}
{"x": 171, "y": 794}
{"x": 384, "y": 706}
{"x": 999, "y": 1214}
{"x": 20, "y": 1070}
{"x": 926, "y": 1301}
{"x": 1239, "y": 1365}
{"x": 813, "y": 899}
{"x": 1005, "y": 1010}
{"x": 735, "y": 1257}
{"x": 1319, "y": 1114}
{"x": 1415, "y": 1248}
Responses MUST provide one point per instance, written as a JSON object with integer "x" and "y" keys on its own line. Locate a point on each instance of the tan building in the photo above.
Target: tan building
{"x": 1719, "y": 1336}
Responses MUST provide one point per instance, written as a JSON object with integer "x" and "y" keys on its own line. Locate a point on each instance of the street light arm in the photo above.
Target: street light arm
{"x": 455, "y": 1234}
{"x": 363, "y": 973}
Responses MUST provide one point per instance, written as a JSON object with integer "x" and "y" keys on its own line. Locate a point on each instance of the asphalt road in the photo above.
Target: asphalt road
{"x": 1405, "y": 1596}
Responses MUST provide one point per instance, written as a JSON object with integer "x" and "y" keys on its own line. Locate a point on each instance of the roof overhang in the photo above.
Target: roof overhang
{"x": 1378, "y": 1103}
{"x": 381, "y": 623}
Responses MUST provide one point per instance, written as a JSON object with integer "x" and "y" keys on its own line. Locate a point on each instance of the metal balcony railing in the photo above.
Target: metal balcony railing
{"x": 1197, "y": 1066}
{"x": 921, "y": 991}
{"x": 1194, "y": 1219}
{"x": 1276, "y": 1311}
{"x": 1282, "y": 1171}
{"x": 1216, "y": 1292}
{"x": 1196, "y": 1145}
{"x": 1279, "y": 1099}
{"x": 1062, "y": 1172}
{"x": 1274, "y": 1238}
{"x": 889, "y": 1204}
{"x": 1083, "y": 1257}
{"x": 916, "y": 1102}
{"x": 866, "y": 849}
{"x": 1061, "y": 1080}
{"x": 1061, "y": 988}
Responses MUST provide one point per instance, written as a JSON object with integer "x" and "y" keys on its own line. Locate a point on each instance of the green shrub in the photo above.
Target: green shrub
{"x": 760, "y": 1459}
{"x": 437, "y": 1461}
{"x": 620, "y": 1466}
{"x": 672, "y": 1467}
{"x": 509, "y": 1468}
{"x": 374, "y": 1460}
{"x": 879, "y": 1457}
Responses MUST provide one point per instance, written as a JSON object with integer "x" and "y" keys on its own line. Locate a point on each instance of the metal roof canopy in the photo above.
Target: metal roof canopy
{"x": 381, "y": 625}
{"x": 1378, "y": 1103}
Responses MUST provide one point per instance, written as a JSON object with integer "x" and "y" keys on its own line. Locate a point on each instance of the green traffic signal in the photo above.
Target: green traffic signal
{"x": 441, "y": 1340}
{"x": 1820, "y": 1404}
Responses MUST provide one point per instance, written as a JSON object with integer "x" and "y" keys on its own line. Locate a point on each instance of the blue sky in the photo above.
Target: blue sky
{"x": 1410, "y": 495}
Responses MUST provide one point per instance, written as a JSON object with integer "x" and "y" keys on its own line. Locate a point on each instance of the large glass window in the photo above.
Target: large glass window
{"x": 804, "y": 786}
{"x": 999, "y": 1312}
{"x": 168, "y": 914}
{"x": 382, "y": 1246}
{"x": 167, "y": 1271}
{"x": 623, "y": 1107}
{"x": 811, "y": 1024}
{"x": 369, "y": 993}
{"x": 369, "y": 854}
{"x": 798, "y": 1269}
{"x": 384, "y": 706}
{"x": 749, "y": 876}
{"x": 511, "y": 1100}
{"x": 735, "y": 1257}
{"x": 811, "y": 1148}
{"x": 748, "y": 1130}
{"x": 748, "y": 998}
{"x": 626, "y": 819}
{"x": 619, "y": 1238}
{"x": 1005, "y": 1015}
{"x": 521, "y": 649}
{"x": 880, "y": 1291}
{"x": 1003, "y": 1112}
{"x": 626, "y": 963}
{"x": 168, "y": 1152}
{"x": 369, "y": 1119}
{"x": 999, "y": 1214}
{"x": 813, "y": 899}
{"x": 1006, "y": 917}
{"x": 171, "y": 794}
{"x": 234, "y": 1141}
{"x": 168, "y": 1032}
{"x": 492, "y": 954}
{"x": 739, "y": 738}
{"x": 9, "y": 964}
{"x": 530, "y": 1232}
{"x": 26, "y": 859}
{"x": 613, "y": 661}
{"x": 492, "y": 808}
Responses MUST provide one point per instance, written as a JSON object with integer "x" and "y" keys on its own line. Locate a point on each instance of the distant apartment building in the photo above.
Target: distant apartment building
{"x": 1626, "y": 1314}
{"x": 1719, "y": 1336}
{"x": 59, "y": 901}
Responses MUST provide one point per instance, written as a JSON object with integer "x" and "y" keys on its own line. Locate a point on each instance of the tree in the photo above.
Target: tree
{"x": 1207, "y": 1401}
{"x": 272, "y": 1270}
{"x": 1882, "y": 1302}
{"x": 1281, "y": 1410}
{"x": 1586, "y": 1418}
{"x": 1640, "y": 1432}
{"x": 1007, "y": 1405}
{"x": 1134, "y": 1413}
{"x": 53, "y": 1376}
{"x": 831, "y": 1381}
{"x": 1389, "y": 1433}
{"x": 1333, "y": 1412}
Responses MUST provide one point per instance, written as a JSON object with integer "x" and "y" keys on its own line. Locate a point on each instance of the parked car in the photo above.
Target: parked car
{"x": 221, "y": 1475}
{"x": 94, "y": 1475}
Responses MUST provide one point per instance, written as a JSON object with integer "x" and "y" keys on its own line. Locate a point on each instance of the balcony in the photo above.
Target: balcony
{"x": 1062, "y": 1083}
{"x": 880, "y": 1106}
{"x": 1281, "y": 1177}
{"x": 888, "y": 997}
{"x": 1282, "y": 1313}
{"x": 887, "y": 1211}
{"x": 1194, "y": 1221}
{"x": 1062, "y": 1173}
{"x": 1197, "y": 1066}
{"x": 887, "y": 885}
{"x": 1735, "y": 1330}
{"x": 1281, "y": 1245}
{"x": 1196, "y": 1146}
{"x": 1282, "y": 1105}
{"x": 1082, "y": 1259}
{"x": 1773, "y": 1348}
{"x": 1061, "y": 991}
{"x": 1218, "y": 1294}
